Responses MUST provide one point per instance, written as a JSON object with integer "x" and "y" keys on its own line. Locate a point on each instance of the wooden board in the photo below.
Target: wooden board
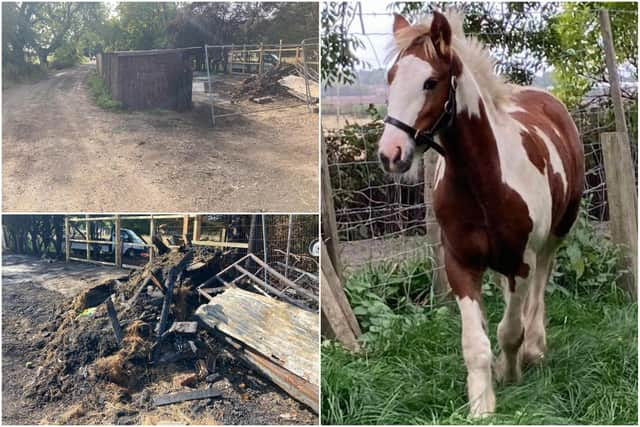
{"x": 284, "y": 334}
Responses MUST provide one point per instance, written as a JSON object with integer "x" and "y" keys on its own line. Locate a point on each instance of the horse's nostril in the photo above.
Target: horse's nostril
{"x": 397, "y": 155}
{"x": 384, "y": 160}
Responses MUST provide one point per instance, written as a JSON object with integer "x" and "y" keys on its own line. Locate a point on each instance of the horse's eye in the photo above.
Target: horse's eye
{"x": 429, "y": 84}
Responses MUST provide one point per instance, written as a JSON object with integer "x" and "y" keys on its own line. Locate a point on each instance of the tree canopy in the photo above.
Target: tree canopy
{"x": 527, "y": 39}
{"x": 60, "y": 34}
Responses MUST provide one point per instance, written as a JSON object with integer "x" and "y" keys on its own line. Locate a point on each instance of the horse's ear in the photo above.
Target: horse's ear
{"x": 440, "y": 33}
{"x": 399, "y": 23}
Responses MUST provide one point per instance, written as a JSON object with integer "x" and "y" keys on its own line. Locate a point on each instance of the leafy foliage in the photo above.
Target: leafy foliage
{"x": 338, "y": 46}
{"x": 576, "y": 52}
{"x": 586, "y": 262}
{"x": 100, "y": 93}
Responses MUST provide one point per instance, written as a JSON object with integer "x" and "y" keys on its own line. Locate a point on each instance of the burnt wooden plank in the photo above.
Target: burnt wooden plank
{"x": 286, "y": 335}
{"x": 171, "y": 398}
{"x": 111, "y": 310}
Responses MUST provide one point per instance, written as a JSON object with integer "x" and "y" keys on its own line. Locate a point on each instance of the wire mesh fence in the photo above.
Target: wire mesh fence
{"x": 245, "y": 79}
{"x": 380, "y": 219}
{"x": 285, "y": 242}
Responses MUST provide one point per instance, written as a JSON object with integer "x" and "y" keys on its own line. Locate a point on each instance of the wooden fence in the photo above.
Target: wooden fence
{"x": 149, "y": 79}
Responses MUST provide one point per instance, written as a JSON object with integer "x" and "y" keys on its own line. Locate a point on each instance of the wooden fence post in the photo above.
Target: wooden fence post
{"x": 197, "y": 223}
{"x": 440, "y": 283}
{"x": 118, "y": 242}
{"x": 623, "y": 204}
{"x": 67, "y": 237}
{"x": 185, "y": 229}
{"x": 329, "y": 223}
{"x": 338, "y": 319}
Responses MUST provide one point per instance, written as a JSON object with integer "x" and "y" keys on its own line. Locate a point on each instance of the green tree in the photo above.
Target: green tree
{"x": 576, "y": 53}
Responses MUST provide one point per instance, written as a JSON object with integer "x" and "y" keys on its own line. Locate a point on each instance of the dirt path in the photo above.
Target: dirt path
{"x": 62, "y": 153}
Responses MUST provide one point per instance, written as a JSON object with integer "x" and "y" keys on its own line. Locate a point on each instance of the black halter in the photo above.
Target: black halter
{"x": 426, "y": 137}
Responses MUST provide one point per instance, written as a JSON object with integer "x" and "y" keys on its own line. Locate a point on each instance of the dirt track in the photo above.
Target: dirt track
{"x": 63, "y": 153}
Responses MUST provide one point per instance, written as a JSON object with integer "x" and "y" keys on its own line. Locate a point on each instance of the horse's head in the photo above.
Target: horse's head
{"x": 420, "y": 91}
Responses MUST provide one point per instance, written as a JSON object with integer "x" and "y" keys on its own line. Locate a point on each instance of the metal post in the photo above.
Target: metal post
{"x": 286, "y": 261}
{"x": 152, "y": 229}
{"x": 306, "y": 76}
{"x": 260, "y": 59}
{"x": 264, "y": 248}
{"x": 209, "y": 89}
{"x": 87, "y": 237}
{"x": 67, "y": 242}
{"x": 118, "y": 242}
{"x": 280, "y": 53}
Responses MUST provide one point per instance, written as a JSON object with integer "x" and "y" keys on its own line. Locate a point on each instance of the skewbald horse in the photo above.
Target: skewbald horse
{"x": 507, "y": 187}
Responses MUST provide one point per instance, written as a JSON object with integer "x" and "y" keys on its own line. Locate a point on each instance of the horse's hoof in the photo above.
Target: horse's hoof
{"x": 532, "y": 359}
{"x": 504, "y": 373}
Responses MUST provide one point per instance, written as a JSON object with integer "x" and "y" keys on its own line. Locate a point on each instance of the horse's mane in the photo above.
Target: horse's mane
{"x": 476, "y": 58}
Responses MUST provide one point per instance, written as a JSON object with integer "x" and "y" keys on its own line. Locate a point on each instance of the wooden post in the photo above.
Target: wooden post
{"x": 197, "y": 222}
{"x": 280, "y": 53}
{"x": 329, "y": 223}
{"x": 338, "y": 319}
{"x": 118, "y": 242}
{"x": 623, "y": 204}
{"x": 88, "y": 237}
{"x": 231, "y": 60}
{"x": 440, "y": 283}
{"x": 67, "y": 237}
{"x": 260, "y": 59}
{"x": 185, "y": 229}
{"x": 152, "y": 231}
{"x": 612, "y": 69}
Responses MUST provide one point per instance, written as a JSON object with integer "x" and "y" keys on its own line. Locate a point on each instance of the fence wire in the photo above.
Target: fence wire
{"x": 234, "y": 70}
{"x": 380, "y": 220}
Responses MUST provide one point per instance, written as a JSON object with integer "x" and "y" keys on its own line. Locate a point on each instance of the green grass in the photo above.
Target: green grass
{"x": 418, "y": 375}
{"x": 100, "y": 93}
{"x": 411, "y": 369}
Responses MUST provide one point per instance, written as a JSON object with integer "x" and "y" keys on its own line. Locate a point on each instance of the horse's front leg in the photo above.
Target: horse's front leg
{"x": 476, "y": 348}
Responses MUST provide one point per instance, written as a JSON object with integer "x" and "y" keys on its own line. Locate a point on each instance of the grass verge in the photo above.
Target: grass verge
{"x": 100, "y": 93}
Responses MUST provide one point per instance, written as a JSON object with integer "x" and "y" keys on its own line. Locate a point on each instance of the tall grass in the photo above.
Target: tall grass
{"x": 100, "y": 93}
{"x": 411, "y": 370}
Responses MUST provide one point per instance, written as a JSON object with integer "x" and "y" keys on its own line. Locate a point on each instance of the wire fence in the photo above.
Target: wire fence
{"x": 380, "y": 219}
{"x": 285, "y": 242}
{"x": 241, "y": 79}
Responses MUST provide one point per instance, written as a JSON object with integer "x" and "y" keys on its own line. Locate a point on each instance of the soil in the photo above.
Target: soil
{"x": 63, "y": 153}
{"x": 63, "y": 366}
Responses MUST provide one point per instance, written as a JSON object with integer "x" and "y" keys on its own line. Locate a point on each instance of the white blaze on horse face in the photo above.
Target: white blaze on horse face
{"x": 406, "y": 99}
{"x": 476, "y": 350}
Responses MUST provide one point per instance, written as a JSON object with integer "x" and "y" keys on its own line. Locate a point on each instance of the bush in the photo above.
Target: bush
{"x": 65, "y": 56}
{"x": 27, "y": 72}
{"x": 100, "y": 92}
{"x": 587, "y": 262}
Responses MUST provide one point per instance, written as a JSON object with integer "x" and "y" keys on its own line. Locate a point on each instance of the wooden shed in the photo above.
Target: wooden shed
{"x": 145, "y": 79}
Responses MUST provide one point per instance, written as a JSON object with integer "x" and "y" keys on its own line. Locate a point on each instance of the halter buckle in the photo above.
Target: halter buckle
{"x": 454, "y": 83}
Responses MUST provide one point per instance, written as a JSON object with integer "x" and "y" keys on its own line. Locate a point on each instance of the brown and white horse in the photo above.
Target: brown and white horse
{"x": 508, "y": 184}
